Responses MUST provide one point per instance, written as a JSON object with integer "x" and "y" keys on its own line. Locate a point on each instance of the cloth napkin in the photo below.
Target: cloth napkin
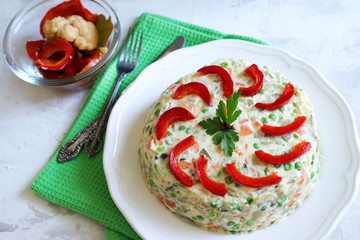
{"x": 80, "y": 184}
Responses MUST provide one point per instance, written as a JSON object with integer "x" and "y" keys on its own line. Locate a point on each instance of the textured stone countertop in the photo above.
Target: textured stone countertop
{"x": 33, "y": 120}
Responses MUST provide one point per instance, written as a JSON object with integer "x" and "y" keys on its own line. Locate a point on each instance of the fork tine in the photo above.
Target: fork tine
{"x": 125, "y": 46}
{"x": 139, "y": 48}
{"x": 133, "y": 48}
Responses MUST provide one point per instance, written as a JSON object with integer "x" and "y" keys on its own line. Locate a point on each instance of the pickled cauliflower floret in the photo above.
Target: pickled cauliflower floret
{"x": 74, "y": 29}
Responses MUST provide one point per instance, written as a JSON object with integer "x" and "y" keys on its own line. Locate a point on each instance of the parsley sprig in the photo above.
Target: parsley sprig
{"x": 221, "y": 124}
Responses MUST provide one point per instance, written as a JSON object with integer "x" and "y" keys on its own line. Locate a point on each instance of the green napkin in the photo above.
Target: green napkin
{"x": 80, "y": 184}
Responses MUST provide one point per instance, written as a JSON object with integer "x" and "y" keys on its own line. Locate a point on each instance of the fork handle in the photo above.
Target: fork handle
{"x": 91, "y": 136}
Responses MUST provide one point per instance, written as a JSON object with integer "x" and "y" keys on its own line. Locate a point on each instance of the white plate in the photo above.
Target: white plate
{"x": 316, "y": 219}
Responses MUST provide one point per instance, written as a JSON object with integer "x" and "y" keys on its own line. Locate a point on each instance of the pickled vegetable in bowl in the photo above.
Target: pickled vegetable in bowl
{"x": 73, "y": 56}
{"x": 71, "y": 40}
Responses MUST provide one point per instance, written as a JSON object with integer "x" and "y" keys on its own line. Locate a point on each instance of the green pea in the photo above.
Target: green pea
{"x": 151, "y": 182}
{"x": 224, "y": 64}
{"x": 283, "y": 198}
{"x": 212, "y": 215}
{"x": 231, "y": 223}
{"x": 282, "y": 109}
{"x": 266, "y": 171}
{"x": 256, "y": 145}
{"x": 218, "y": 174}
{"x": 229, "y": 180}
{"x": 284, "y": 83}
{"x": 233, "y": 232}
{"x": 249, "y": 200}
{"x": 263, "y": 208}
{"x": 157, "y": 104}
{"x": 287, "y": 166}
{"x": 189, "y": 130}
{"x": 160, "y": 149}
{"x": 204, "y": 110}
{"x": 298, "y": 165}
{"x": 167, "y": 142}
{"x": 296, "y": 135}
{"x": 199, "y": 217}
{"x": 264, "y": 120}
{"x": 236, "y": 226}
{"x": 249, "y": 223}
{"x": 238, "y": 185}
{"x": 262, "y": 91}
{"x": 234, "y": 205}
{"x": 169, "y": 133}
{"x": 216, "y": 203}
{"x": 157, "y": 112}
{"x": 182, "y": 128}
{"x": 147, "y": 128}
{"x": 277, "y": 165}
{"x": 272, "y": 116}
{"x": 196, "y": 131}
{"x": 312, "y": 175}
{"x": 167, "y": 165}
{"x": 173, "y": 195}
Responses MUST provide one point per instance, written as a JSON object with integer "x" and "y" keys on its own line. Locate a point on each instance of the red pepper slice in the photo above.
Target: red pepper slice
{"x": 298, "y": 150}
{"x": 66, "y": 9}
{"x": 279, "y": 131}
{"x": 169, "y": 117}
{"x": 214, "y": 187}
{"x": 54, "y": 54}
{"x": 175, "y": 169}
{"x": 281, "y": 101}
{"x": 235, "y": 174}
{"x": 193, "y": 88}
{"x": 68, "y": 71}
{"x": 258, "y": 76}
{"x": 227, "y": 82}
{"x": 94, "y": 59}
{"x": 33, "y": 47}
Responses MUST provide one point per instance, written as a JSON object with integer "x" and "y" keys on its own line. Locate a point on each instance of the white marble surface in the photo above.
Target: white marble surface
{"x": 33, "y": 119}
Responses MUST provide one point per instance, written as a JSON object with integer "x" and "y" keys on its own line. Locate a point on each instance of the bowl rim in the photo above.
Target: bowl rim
{"x": 111, "y": 53}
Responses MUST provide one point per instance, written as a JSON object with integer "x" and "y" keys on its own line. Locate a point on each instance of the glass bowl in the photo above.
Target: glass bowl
{"x": 26, "y": 26}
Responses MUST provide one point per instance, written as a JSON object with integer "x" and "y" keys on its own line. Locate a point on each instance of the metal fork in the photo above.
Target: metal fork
{"x": 91, "y": 136}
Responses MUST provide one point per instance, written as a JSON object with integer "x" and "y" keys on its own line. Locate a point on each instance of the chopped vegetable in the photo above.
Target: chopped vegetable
{"x": 227, "y": 82}
{"x": 269, "y": 180}
{"x": 169, "y": 117}
{"x": 298, "y": 150}
{"x": 175, "y": 169}
{"x": 279, "y": 131}
{"x": 214, "y": 187}
{"x": 281, "y": 101}
{"x": 193, "y": 88}
{"x": 258, "y": 77}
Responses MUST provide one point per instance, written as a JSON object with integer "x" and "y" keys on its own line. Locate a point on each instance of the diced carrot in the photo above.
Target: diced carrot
{"x": 148, "y": 144}
{"x": 269, "y": 216}
{"x": 194, "y": 162}
{"x": 166, "y": 201}
{"x": 259, "y": 226}
{"x": 244, "y": 120}
{"x": 215, "y": 166}
{"x": 303, "y": 176}
{"x": 230, "y": 71}
{"x": 184, "y": 165}
{"x": 297, "y": 195}
{"x": 300, "y": 131}
{"x": 291, "y": 203}
{"x": 240, "y": 84}
{"x": 239, "y": 153}
{"x": 257, "y": 124}
{"x": 161, "y": 142}
{"x": 172, "y": 89}
{"x": 205, "y": 206}
{"x": 245, "y": 130}
{"x": 210, "y": 224}
{"x": 196, "y": 147}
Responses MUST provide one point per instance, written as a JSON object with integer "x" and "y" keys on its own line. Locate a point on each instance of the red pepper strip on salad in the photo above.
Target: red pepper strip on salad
{"x": 54, "y": 54}
{"x": 193, "y": 88}
{"x": 298, "y": 150}
{"x": 227, "y": 82}
{"x": 33, "y": 47}
{"x": 66, "y": 9}
{"x": 169, "y": 117}
{"x": 175, "y": 169}
{"x": 214, "y": 187}
{"x": 279, "y": 131}
{"x": 235, "y": 174}
{"x": 281, "y": 101}
{"x": 258, "y": 76}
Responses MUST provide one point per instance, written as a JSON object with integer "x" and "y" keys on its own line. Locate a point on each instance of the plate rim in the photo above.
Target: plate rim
{"x": 353, "y": 177}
